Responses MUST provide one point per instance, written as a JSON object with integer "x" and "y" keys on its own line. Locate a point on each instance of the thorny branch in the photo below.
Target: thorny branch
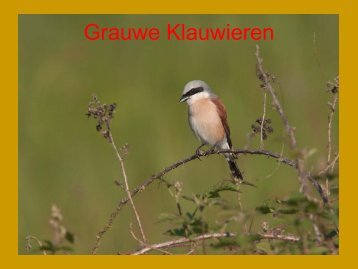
{"x": 302, "y": 175}
{"x": 177, "y": 164}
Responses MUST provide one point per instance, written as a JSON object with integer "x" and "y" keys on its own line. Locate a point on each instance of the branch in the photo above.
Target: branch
{"x": 168, "y": 169}
{"x": 183, "y": 241}
{"x": 103, "y": 114}
{"x": 330, "y": 119}
{"x": 120, "y": 159}
{"x": 302, "y": 175}
{"x": 29, "y": 246}
{"x": 329, "y": 165}
{"x": 263, "y": 76}
{"x": 285, "y": 237}
{"x": 263, "y": 121}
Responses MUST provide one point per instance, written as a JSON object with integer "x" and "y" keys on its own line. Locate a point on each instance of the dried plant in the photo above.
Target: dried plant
{"x": 305, "y": 222}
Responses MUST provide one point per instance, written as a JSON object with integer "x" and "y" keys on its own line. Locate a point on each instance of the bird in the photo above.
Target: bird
{"x": 208, "y": 120}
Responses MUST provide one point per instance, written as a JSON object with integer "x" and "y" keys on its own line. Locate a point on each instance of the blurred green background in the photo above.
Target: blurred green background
{"x": 63, "y": 160}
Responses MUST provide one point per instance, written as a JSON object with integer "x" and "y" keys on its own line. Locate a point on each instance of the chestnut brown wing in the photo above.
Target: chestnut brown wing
{"x": 223, "y": 116}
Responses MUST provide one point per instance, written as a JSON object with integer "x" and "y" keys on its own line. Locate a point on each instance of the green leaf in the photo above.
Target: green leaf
{"x": 176, "y": 232}
{"x": 264, "y": 247}
{"x": 264, "y": 209}
{"x": 295, "y": 200}
{"x": 288, "y": 211}
{"x": 222, "y": 186}
{"x": 167, "y": 217}
{"x": 70, "y": 237}
{"x": 198, "y": 226}
{"x": 331, "y": 234}
{"x": 190, "y": 216}
{"x": 311, "y": 207}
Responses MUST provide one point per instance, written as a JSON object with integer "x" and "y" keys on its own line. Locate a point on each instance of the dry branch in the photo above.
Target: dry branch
{"x": 121, "y": 162}
{"x": 183, "y": 241}
{"x": 177, "y": 164}
{"x": 285, "y": 237}
{"x": 302, "y": 175}
{"x": 330, "y": 119}
{"x": 263, "y": 76}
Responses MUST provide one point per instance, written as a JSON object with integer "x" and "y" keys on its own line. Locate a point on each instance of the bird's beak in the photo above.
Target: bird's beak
{"x": 183, "y": 99}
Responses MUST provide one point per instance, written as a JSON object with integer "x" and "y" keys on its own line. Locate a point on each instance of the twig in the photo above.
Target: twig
{"x": 264, "y": 77}
{"x": 168, "y": 169}
{"x": 120, "y": 159}
{"x": 332, "y": 106}
{"x": 263, "y": 121}
{"x": 285, "y": 237}
{"x": 318, "y": 233}
{"x": 192, "y": 249}
{"x": 278, "y": 164}
{"x": 181, "y": 241}
{"x": 134, "y": 236}
{"x": 319, "y": 188}
{"x": 330, "y": 165}
{"x": 267, "y": 85}
{"x": 38, "y": 241}
{"x": 330, "y": 119}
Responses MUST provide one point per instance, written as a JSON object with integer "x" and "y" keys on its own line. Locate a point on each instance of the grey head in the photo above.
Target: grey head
{"x": 196, "y": 89}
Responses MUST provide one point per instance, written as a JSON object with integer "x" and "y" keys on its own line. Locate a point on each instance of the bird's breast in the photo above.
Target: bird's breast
{"x": 205, "y": 122}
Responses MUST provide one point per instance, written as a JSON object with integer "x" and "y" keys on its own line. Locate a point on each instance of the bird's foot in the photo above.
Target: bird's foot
{"x": 199, "y": 152}
{"x": 212, "y": 150}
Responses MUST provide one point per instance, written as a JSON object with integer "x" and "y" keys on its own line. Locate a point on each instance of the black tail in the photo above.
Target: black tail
{"x": 234, "y": 169}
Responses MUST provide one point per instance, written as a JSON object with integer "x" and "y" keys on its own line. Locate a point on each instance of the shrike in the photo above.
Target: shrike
{"x": 208, "y": 120}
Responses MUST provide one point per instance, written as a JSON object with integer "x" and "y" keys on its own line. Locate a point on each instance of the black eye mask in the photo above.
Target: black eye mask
{"x": 193, "y": 91}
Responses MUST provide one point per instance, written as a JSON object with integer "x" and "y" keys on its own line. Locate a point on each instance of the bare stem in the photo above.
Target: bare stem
{"x": 285, "y": 237}
{"x": 121, "y": 162}
{"x": 262, "y": 121}
{"x": 329, "y": 165}
{"x": 267, "y": 85}
{"x": 330, "y": 119}
{"x": 38, "y": 241}
{"x": 183, "y": 241}
{"x": 264, "y": 77}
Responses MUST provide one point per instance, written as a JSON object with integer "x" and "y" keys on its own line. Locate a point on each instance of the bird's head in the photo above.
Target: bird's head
{"x": 195, "y": 90}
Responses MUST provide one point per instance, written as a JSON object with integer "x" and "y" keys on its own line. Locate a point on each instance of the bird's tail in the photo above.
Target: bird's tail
{"x": 235, "y": 171}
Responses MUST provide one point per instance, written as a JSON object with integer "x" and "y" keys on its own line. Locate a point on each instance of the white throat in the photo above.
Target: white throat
{"x": 197, "y": 97}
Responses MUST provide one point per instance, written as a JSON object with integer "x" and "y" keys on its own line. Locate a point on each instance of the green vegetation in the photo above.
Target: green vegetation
{"x": 63, "y": 161}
